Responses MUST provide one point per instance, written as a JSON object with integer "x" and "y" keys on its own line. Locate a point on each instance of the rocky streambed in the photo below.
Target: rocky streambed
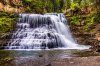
{"x": 49, "y": 58}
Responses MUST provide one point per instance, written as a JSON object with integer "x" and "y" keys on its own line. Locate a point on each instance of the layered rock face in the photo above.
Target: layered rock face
{"x": 12, "y": 6}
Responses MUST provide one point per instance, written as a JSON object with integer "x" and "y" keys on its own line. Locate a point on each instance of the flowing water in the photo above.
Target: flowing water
{"x": 36, "y": 31}
{"x": 39, "y": 32}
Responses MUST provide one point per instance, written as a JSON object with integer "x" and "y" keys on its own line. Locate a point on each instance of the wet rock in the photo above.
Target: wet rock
{"x": 48, "y": 65}
{"x": 43, "y": 46}
{"x": 4, "y": 38}
{"x": 40, "y": 55}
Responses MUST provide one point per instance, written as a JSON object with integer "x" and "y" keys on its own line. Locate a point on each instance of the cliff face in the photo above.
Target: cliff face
{"x": 89, "y": 38}
{"x": 85, "y": 26}
{"x": 11, "y": 6}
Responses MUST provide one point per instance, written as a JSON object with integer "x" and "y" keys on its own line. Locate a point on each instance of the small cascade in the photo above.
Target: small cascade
{"x": 36, "y": 31}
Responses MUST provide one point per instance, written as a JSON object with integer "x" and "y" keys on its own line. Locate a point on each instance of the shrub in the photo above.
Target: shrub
{"x": 97, "y": 17}
{"x": 7, "y": 21}
{"x": 75, "y": 20}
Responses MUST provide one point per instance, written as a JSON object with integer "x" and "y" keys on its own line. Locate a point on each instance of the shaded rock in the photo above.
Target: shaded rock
{"x": 49, "y": 65}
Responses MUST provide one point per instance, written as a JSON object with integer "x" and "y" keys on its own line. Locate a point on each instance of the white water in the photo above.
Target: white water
{"x": 35, "y": 31}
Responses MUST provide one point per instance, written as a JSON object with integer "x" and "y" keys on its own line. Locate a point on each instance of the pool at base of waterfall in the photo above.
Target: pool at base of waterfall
{"x": 40, "y": 57}
{"x": 36, "y": 57}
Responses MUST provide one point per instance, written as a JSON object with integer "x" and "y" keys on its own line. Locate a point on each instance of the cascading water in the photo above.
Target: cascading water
{"x": 35, "y": 31}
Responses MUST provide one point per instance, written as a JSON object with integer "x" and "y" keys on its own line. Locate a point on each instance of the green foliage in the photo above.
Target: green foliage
{"x": 68, "y": 4}
{"x": 74, "y": 6}
{"x": 47, "y": 6}
{"x": 43, "y": 6}
{"x": 6, "y": 24}
{"x": 89, "y": 22}
{"x": 3, "y": 14}
{"x": 7, "y": 21}
{"x": 97, "y": 17}
{"x": 92, "y": 20}
{"x": 10, "y": 15}
{"x": 34, "y": 5}
{"x": 28, "y": 0}
{"x": 75, "y": 20}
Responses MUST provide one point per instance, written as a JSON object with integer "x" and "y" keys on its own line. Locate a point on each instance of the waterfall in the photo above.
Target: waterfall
{"x": 36, "y": 31}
